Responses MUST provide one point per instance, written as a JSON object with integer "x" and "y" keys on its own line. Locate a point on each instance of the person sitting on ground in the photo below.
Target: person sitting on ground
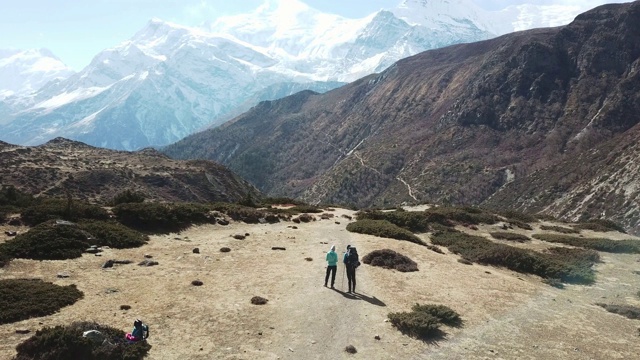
{"x": 332, "y": 266}
{"x": 140, "y": 332}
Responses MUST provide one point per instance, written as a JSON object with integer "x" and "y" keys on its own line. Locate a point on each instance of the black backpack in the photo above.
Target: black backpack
{"x": 352, "y": 257}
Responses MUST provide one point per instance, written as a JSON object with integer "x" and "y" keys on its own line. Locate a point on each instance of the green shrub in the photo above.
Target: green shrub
{"x": 415, "y": 221}
{"x": 22, "y": 299}
{"x": 560, "y": 229}
{"x": 306, "y": 209}
{"x": 484, "y": 251}
{"x": 127, "y": 196}
{"x": 520, "y": 224}
{"x": 383, "y": 228}
{"x": 51, "y": 209}
{"x": 48, "y": 241}
{"x": 464, "y": 215}
{"x": 515, "y": 216}
{"x": 250, "y": 215}
{"x": 505, "y": 235}
{"x": 629, "y": 311}
{"x": 390, "y": 259}
{"x": 165, "y": 217}
{"x": 113, "y": 234}
{"x": 600, "y": 225}
{"x": 12, "y": 197}
{"x": 423, "y": 321}
{"x": 417, "y": 324}
{"x": 443, "y": 313}
{"x": 67, "y": 342}
{"x": 573, "y": 255}
{"x": 606, "y": 245}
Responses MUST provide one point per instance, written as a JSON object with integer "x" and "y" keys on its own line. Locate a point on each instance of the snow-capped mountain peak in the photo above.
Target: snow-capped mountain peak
{"x": 25, "y": 71}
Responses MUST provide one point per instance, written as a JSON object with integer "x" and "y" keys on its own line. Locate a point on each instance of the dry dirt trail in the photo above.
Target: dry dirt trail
{"x": 506, "y": 315}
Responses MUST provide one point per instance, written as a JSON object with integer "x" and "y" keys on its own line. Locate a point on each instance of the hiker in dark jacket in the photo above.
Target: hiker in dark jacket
{"x": 351, "y": 262}
{"x": 332, "y": 266}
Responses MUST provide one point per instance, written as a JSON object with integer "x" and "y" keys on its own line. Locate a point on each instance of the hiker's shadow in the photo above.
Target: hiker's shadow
{"x": 359, "y": 296}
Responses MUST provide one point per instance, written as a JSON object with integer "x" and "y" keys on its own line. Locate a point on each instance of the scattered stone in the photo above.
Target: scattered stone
{"x": 487, "y": 272}
{"x": 347, "y": 217}
{"x": 125, "y": 307}
{"x": 122, "y": 262}
{"x": 473, "y": 227}
{"x": 93, "y": 250}
{"x": 225, "y": 249}
{"x": 63, "y": 275}
{"x": 22, "y": 331}
{"x": 197, "y": 283}
{"x": 10, "y": 233}
{"x": 290, "y": 349}
{"x": 107, "y": 264}
{"x": 246, "y": 234}
{"x": 313, "y": 341}
{"x": 306, "y": 218}
{"x": 148, "y": 263}
{"x": 238, "y": 237}
{"x": 258, "y": 300}
{"x": 278, "y": 248}
{"x": 97, "y": 254}
{"x": 196, "y": 250}
{"x": 351, "y": 349}
{"x": 147, "y": 256}
{"x": 308, "y": 259}
{"x": 260, "y": 333}
{"x": 377, "y": 337}
{"x": 296, "y": 220}
{"x": 223, "y": 222}
{"x": 111, "y": 291}
{"x": 95, "y": 336}
{"x": 337, "y": 222}
{"x": 65, "y": 222}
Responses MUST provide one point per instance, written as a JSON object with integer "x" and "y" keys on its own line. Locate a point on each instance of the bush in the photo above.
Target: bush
{"x": 51, "y": 209}
{"x": 631, "y": 312}
{"x": 517, "y": 216}
{"x": 48, "y": 241}
{"x": 600, "y": 225}
{"x": 415, "y": 221}
{"x": 417, "y": 324}
{"x": 383, "y": 228}
{"x": 484, "y": 251}
{"x": 464, "y": 215}
{"x": 127, "y": 196}
{"x": 160, "y": 218}
{"x": 250, "y": 215}
{"x": 505, "y": 235}
{"x": 585, "y": 256}
{"x": 560, "y": 229}
{"x": 520, "y": 224}
{"x": 390, "y": 259}
{"x": 52, "y": 241}
{"x": 67, "y": 342}
{"x": 444, "y": 314}
{"x": 424, "y": 321}
{"x": 21, "y": 299}
{"x": 306, "y": 209}
{"x": 113, "y": 234}
{"x": 14, "y": 198}
{"x": 606, "y": 245}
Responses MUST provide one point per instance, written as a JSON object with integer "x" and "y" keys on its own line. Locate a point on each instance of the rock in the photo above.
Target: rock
{"x": 296, "y": 220}
{"x": 63, "y": 275}
{"x": 107, "y": 264}
{"x": 351, "y": 349}
{"x": 93, "y": 250}
{"x": 65, "y": 223}
{"x": 148, "y": 263}
{"x": 278, "y": 248}
{"x": 258, "y": 300}
{"x": 95, "y": 336}
{"x": 147, "y": 256}
{"x": 223, "y": 222}
{"x": 97, "y": 254}
{"x": 337, "y": 222}
{"x": 238, "y": 237}
{"x": 308, "y": 259}
{"x": 125, "y": 307}
{"x": 225, "y": 249}
{"x": 377, "y": 337}
{"x": 22, "y": 331}
{"x": 246, "y": 234}
{"x": 122, "y": 262}
{"x": 111, "y": 291}
{"x": 196, "y": 250}
{"x": 197, "y": 283}
{"x": 10, "y": 233}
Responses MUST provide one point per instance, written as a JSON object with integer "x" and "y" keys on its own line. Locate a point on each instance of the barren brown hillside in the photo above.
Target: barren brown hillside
{"x": 506, "y": 315}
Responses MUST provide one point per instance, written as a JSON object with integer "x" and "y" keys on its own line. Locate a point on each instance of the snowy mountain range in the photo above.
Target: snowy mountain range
{"x": 169, "y": 81}
{"x": 24, "y": 71}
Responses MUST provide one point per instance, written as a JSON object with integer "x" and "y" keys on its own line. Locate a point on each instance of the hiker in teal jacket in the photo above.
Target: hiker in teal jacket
{"x": 332, "y": 266}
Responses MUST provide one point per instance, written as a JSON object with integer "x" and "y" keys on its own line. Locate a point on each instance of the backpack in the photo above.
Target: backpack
{"x": 352, "y": 257}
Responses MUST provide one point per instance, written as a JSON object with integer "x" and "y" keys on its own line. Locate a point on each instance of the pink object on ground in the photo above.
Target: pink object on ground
{"x": 131, "y": 337}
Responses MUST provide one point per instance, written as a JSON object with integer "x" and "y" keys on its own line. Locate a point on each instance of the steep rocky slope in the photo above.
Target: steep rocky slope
{"x": 86, "y": 172}
{"x": 471, "y": 123}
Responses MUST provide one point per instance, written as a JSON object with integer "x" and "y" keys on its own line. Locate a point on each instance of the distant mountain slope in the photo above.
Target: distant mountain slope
{"x": 97, "y": 174}
{"x": 25, "y": 71}
{"x": 465, "y": 124}
{"x": 169, "y": 81}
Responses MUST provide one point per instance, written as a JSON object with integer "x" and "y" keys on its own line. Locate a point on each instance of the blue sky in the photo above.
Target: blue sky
{"x": 76, "y": 30}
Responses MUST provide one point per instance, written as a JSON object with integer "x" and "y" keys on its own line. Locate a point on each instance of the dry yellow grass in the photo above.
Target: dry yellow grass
{"x": 507, "y": 315}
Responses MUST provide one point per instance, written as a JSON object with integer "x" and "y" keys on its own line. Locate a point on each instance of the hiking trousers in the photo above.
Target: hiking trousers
{"x": 331, "y": 269}
{"x": 351, "y": 276}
